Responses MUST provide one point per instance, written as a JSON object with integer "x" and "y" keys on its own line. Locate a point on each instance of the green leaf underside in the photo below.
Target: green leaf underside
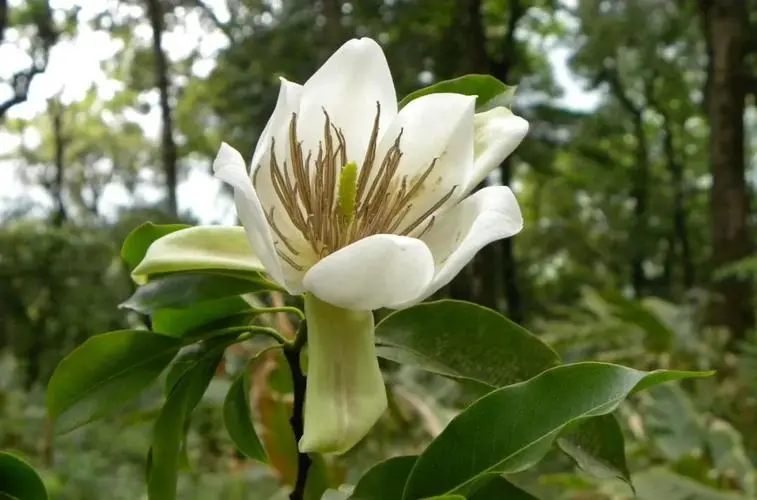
{"x": 139, "y": 240}
{"x": 170, "y": 427}
{"x": 461, "y": 340}
{"x": 238, "y": 420}
{"x": 180, "y": 291}
{"x": 193, "y": 355}
{"x": 522, "y": 421}
{"x": 105, "y": 372}
{"x": 490, "y": 91}
{"x": 385, "y": 480}
{"x": 598, "y": 447}
{"x": 18, "y": 480}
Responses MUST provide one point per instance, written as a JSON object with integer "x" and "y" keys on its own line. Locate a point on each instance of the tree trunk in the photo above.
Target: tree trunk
{"x": 680, "y": 235}
{"x": 58, "y": 183}
{"x": 168, "y": 146}
{"x": 726, "y": 34}
{"x": 640, "y": 195}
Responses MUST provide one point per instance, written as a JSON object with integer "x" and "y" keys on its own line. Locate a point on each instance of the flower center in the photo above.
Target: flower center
{"x": 333, "y": 203}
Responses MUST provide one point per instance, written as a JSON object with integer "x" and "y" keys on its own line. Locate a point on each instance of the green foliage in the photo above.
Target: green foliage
{"x": 489, "y": 91}
{"x": 238, "y": 421}
{"x": 18, "y": 480}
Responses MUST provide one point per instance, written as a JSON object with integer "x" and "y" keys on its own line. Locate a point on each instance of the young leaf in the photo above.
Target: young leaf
{"x": 105, "y": 372}
{"x": 169, "y": 430}
{"x": 461, "y": 340}
{"x": 139, "y": 240}
{"x": 18, "y": 480}
{"x": 385, "y": 480}
{"x": 490, "y": 91}
{"x": 238, "y": 421}
{"x": 511, "y": 429}
{"x": 184, "y": 290}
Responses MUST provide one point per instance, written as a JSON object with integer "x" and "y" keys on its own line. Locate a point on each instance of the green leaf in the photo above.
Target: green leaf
{"x": 213, "y": 249}
{"x": 139, "y": 240}
{"x": 500, "y": 488}
{"x": 191, "y": 356}
{"x": 672, "y": 422}
{"x": 385, "y": 480}
{"x": 200, "y": 318}
{"x": 463, "y": 341}
{"x": 169, "y": 430}
{"x": 238, "y": 421}
{"x": 512, "y": 428}
{"x": 598, "y": 447}
{"x": 490, "y": 91}
{"x": 103, "y": 373}
{"x": 180, "y": 291}
{"x": 18, "y": 480}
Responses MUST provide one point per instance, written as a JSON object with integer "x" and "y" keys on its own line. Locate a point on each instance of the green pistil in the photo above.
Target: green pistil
{"x": 348, "y": 192}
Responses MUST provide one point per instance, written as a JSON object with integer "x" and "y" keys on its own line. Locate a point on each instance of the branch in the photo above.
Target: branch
{"x": 502, "y": 69}
{"x": 208, "y": 11}
{"x": 20, "y": 82}
{"x": 3, "y": 18}
{"x": 299, "y": 382}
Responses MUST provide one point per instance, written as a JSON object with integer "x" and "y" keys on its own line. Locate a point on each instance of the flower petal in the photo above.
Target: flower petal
{"x": 459, "y": 233}
{"x": 347, "y": 87}
{"x": 229, "y": 167}
{"x": 198, "y": 248}
{"x": 377, "y": 271}
{"x": 497, "y": 133}
{"x": 345, "y": 393}
{"x": 435, "y": 127}
{"x": 287, "y": 103}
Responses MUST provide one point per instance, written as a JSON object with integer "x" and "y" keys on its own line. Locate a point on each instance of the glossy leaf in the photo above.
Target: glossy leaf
{"x": 139, "y": 240}
{"x": 238, "y": 420}
{"x": 104, "y": 372}
{"x": 463, "y": 341}
{"x": 490, "y": 91}
{"x": 215, "y": 249}
{"x": 179, "y": 291}
{"x": 169, "y": 429}
{"x": 385, "y": 480}
{"x": 511, "y": 429}
{"x": 18, "y": 480}
{"x": 598, "y": 447}
{"x": 201, "y": 317}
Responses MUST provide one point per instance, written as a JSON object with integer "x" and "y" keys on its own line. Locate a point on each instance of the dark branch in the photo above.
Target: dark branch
{"x": 299, "y": 382}
{"x": 208, "y": 12}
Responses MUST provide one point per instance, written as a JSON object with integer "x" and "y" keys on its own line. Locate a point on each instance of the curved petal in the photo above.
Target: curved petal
{"x": 497, "y": 133}
{"x": 435, "y": 127}
{"x": 489, "y": 215}
{"x": 229, "y": 167}
{"x": 287, "y": 103}
{"x": 345, "y": 393}
{"x": 198, "y": 248}
{"x": 347, "y": 87}
{"x": 377, "y": 271}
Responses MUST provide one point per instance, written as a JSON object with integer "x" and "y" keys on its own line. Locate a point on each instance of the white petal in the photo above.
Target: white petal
{"x": 229, "y": 167}
{"x": 489, "y": 215}
{"x": 377, "y": 271}
{"x": 434, "y": 127}
{"x": 348, "y": 86}
{"x": 497, "y": 133}
{"x": 287, "y": 103}
{"x": 345, "y": 394}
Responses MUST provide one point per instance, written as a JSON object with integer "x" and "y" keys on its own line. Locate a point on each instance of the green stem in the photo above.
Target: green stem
{"x": 250, "y": 329}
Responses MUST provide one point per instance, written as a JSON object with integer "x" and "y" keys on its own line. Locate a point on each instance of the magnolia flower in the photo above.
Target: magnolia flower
{"x": 359, "y": 206}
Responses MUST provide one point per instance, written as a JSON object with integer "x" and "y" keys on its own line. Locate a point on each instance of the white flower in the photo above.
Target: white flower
{"x": 361, "y": 207}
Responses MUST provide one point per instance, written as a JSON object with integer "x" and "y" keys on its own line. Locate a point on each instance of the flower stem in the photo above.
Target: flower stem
{"x": 292, "y": 353}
